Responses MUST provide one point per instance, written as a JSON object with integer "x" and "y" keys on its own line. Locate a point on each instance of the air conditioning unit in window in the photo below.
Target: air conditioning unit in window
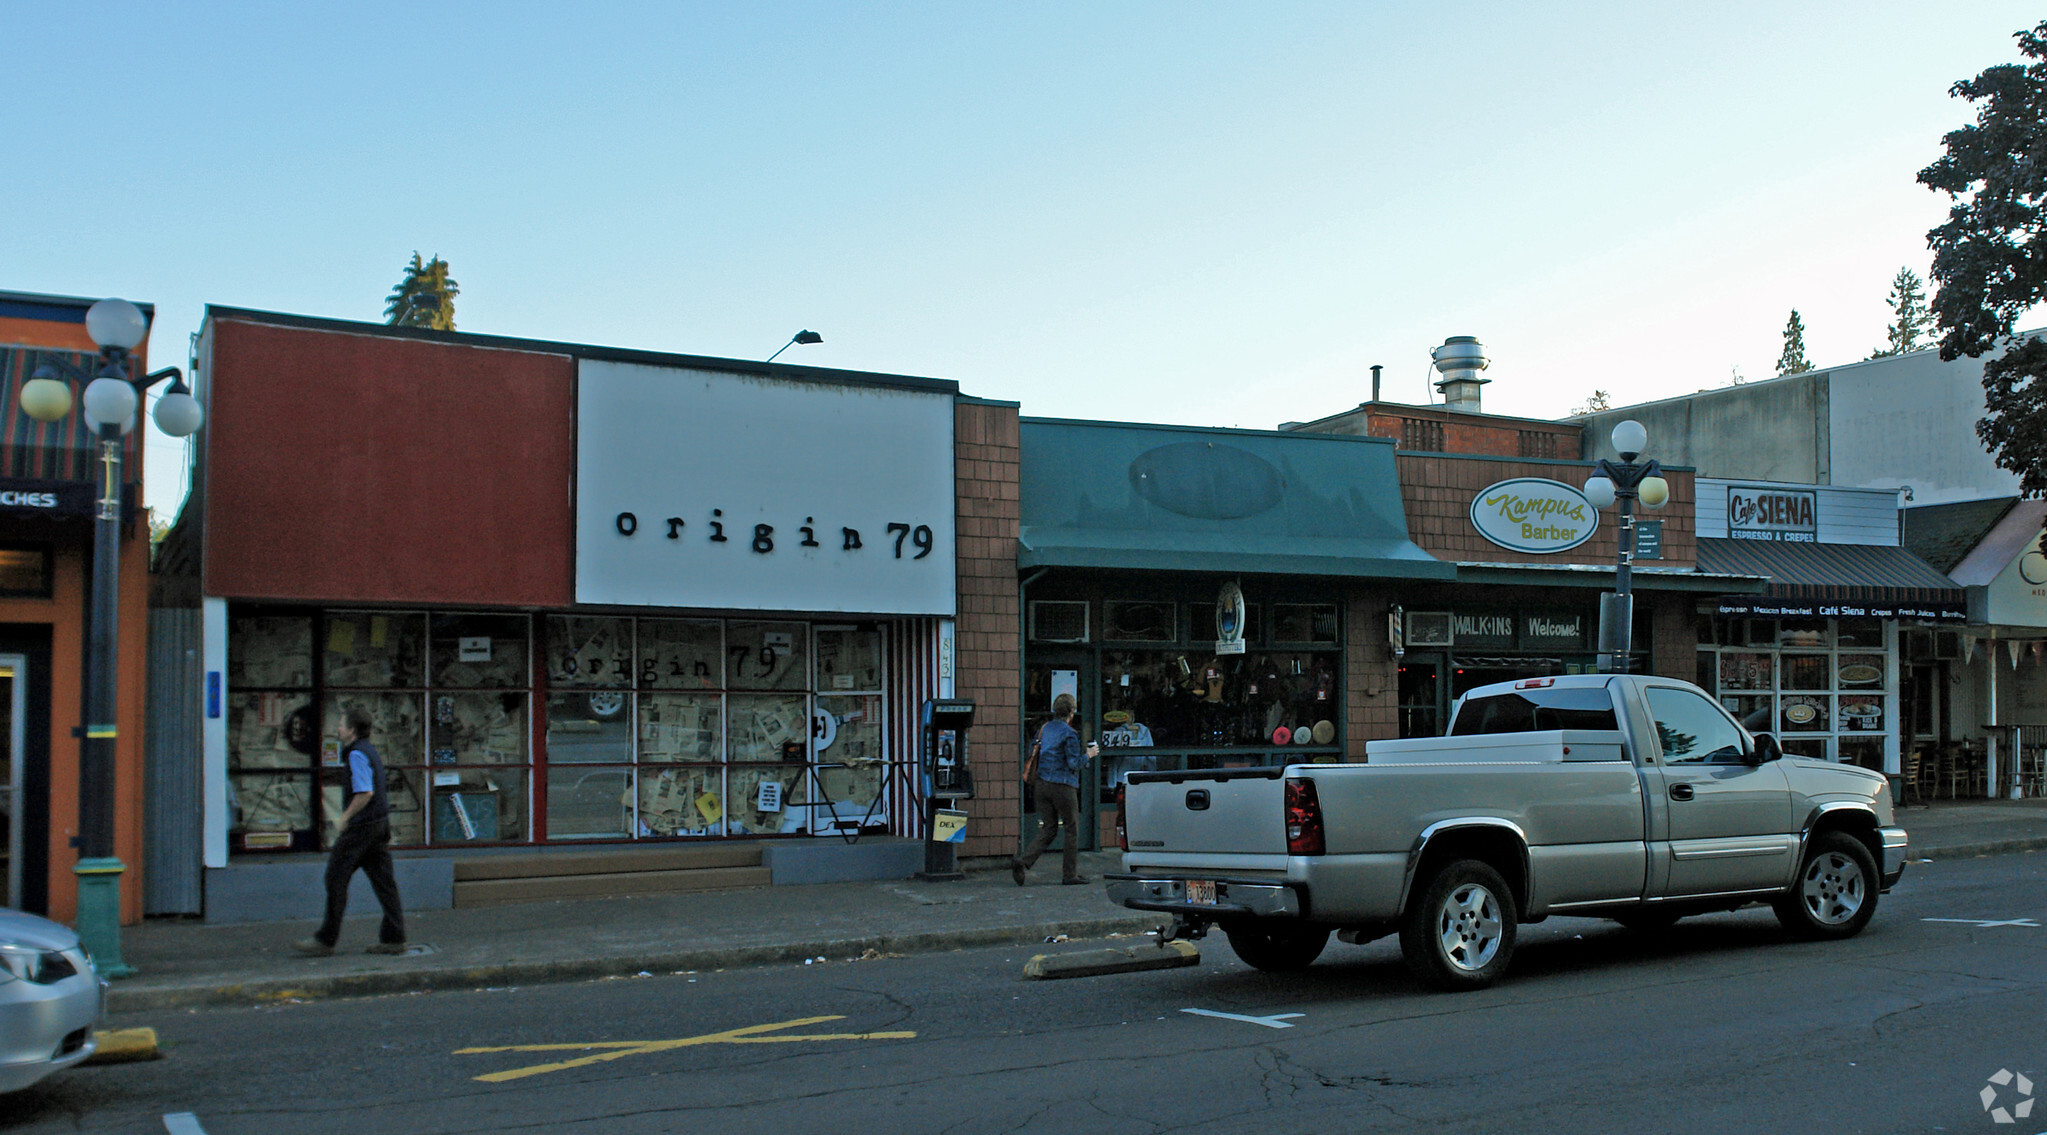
{"x": 1428, "y": 628}
{"x": 1920, "y": 644}
{"x": 1058, "y": 620}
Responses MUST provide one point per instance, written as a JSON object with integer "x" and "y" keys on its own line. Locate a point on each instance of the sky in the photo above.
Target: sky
{"x": 1212, "y": 214}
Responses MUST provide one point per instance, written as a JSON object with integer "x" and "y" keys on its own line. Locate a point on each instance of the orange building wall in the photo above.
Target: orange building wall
{"x": 64, "y": 612}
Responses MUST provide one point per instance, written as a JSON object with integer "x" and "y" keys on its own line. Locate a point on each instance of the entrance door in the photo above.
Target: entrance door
{"x": 1047, "y": 674}
{"x": 1422, "y": 701}
{"x": 13, "y": 692}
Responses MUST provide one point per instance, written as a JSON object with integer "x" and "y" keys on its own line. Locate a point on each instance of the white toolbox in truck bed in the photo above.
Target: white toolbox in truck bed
{"x": 1556, "y": 746}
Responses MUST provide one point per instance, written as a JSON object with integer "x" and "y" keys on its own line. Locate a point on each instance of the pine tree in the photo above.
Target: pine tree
{"x": 1908, "y": 301}
{"x": 424, "y": 298}
{"x": 1793, "y": 360}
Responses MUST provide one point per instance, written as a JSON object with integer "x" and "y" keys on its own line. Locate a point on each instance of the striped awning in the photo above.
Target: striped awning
{"x": 1848, "y": 573}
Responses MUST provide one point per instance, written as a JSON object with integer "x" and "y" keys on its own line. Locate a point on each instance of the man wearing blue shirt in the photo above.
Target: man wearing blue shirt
{"x": 1057, "y": 787}
{"x": 364, "y": 842}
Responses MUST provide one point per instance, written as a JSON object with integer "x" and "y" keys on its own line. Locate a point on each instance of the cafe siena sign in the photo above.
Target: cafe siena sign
{"x": 1528, "y": 514}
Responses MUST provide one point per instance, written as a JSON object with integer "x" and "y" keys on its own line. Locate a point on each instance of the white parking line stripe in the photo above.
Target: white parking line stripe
{"x": 1987, "y": 923}
{"x": 1275, "y": 1021}
{"x": 183, "y": 1123}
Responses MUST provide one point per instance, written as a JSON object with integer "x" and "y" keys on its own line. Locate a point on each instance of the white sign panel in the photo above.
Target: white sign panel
{"x": 2018, "y": 596}
{"x": 1771, "y": 514}
{"x": 700, "y": 488}
{"x": 1528, "y": 514}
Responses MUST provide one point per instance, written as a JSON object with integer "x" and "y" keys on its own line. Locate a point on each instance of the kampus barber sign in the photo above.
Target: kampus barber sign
{"x": 1528, "y": 514}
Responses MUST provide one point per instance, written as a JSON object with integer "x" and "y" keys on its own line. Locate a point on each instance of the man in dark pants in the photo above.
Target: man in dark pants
{"x": 365, "y": 842}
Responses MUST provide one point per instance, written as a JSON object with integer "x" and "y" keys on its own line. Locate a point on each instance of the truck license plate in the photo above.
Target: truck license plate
{"x": 1201, "y": 892}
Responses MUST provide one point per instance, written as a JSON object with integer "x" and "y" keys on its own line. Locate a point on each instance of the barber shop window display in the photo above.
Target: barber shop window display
{"x": 1819, "y": 684}
{"x": 1185, "y": 706}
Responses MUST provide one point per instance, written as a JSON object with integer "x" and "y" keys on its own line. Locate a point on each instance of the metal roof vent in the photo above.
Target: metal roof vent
{"x": 1460, "y": 358}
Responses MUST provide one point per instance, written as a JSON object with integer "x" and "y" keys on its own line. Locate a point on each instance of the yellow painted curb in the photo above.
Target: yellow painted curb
{"x": 1094, "y": 963}
{"x": 124, "y": 1046}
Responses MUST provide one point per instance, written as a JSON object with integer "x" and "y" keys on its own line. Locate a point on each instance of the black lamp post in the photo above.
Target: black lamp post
{"x": 1624, "y": 481}
{"x": 112, "y": 391}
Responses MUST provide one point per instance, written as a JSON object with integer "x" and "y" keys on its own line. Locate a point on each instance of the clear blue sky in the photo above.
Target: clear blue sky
{"x": 1214, "y": 214}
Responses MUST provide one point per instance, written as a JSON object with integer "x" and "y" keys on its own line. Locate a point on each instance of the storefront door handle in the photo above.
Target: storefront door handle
{"x": 1680, "y": 792}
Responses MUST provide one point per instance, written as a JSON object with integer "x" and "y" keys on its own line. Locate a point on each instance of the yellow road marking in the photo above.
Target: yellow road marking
{"x": 751, "y": 1034}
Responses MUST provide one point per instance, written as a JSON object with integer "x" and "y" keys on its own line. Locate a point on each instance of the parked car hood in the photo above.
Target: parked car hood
{"x": 32, "y": 931}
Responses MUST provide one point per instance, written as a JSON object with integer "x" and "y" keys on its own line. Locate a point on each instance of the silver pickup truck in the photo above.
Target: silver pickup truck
{"x": 1610, "y": 796}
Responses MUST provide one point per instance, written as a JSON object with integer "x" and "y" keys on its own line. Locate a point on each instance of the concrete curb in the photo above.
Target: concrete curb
{"x": 1973, "y": 850}
{"x": 129, "y": 999}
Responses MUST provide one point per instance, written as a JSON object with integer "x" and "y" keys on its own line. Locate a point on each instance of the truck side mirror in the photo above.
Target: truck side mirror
{"x": 1766, "y": 750}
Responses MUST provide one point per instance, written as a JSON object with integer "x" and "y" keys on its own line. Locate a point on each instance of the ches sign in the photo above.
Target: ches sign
{"x": 1528, "y": 514}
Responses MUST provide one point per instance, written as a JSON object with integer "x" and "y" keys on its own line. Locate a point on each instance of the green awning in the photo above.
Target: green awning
{"x": 1180, "y": 498}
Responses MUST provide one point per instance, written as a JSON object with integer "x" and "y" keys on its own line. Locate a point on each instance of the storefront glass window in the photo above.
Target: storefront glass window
{"x": 589, "y": 652}
{"x": 371, "y": 651}
{"x": 270, "y": 653}
{"x": 767, "y": 656}
{"x": 682, "y": 654}
{"x": 848, "y": 659}
{"x": 1823, "y": 686}
{"x": 1304, "y": 622}
{"x": 471, "y": 652}
{"x": 1128, "y": 621}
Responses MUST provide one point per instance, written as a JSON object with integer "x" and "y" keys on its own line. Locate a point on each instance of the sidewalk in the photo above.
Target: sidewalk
{"x": 184, "y": 964}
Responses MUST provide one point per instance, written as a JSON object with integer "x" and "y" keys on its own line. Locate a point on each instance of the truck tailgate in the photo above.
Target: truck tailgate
{"x": 1221, "y": 811}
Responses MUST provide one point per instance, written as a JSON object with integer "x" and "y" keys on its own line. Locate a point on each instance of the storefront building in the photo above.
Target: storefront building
{"x": 46, "y": 514}
{"x": 590, "y": 598}
{"x": 1371, "y": 591}
{"x": 1820, "y": 658}
{"x": 1988, "y": 678}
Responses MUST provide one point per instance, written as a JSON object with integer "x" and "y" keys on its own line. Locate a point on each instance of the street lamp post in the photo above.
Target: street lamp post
{"x": 1624, "y": 481}
{"x": 112, "y": 391}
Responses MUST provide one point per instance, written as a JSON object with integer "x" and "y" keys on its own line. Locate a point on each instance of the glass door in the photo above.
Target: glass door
{"x": 13, "y": 691}
{"x": 1047, "y": 674}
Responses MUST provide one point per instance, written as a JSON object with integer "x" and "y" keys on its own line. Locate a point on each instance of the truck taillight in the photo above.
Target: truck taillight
{"x": 1122, "y": 824}
{"x": 1303, "y": 819}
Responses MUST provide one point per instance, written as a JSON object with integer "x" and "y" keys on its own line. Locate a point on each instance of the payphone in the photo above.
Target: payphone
{"x": 948, "y": 779}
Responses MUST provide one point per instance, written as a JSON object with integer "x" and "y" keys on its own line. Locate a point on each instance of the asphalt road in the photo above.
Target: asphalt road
{"x": 1722, "y": 1025}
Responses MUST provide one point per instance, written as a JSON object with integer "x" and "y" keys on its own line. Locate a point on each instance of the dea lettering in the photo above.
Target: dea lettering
{"x": 1995, "y": 1090}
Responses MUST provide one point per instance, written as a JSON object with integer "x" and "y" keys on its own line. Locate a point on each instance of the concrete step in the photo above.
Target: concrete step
{"x": 501, "y": 892}
{"x": 608, "y": 861}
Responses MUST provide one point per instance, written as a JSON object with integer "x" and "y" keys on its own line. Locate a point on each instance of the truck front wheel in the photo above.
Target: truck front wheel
{"x": 1835, "y": 893}
{"x": 1276, "y": 948}
{"x": 1459, "y": 932}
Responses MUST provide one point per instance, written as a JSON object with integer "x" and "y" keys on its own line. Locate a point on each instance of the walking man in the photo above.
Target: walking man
{"x": 365, "y": 842}
{"x": 1057, "y": 788}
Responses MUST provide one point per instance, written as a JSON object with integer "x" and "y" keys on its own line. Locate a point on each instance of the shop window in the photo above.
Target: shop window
{"x": 478, "y": 805}
{"x": 1182, "y": 699}
{"x": 470, "y": 652}
{"x": 25, "y": 571}
{"x": 1754, "y": 711}
{"x": 1807, "y": 672}
{"x": 589, "y": 652}
{"x": 767, "y": 656}
{"x": 585, "y": 802}
{"x": 397, "y": 730}
{"x": 372, "y": 651}
{"x": 1201, "y": 623}
{"x": 1804, "y": 633}
{"x": 848, "y": 658}
{"x": 682, "y": 654}
{"x": 1865, "y": 633}
{"x": 1139, "y": 622}
{"x": 768, "y": 728}
{"x": 1747, "y": 671}
{"x": 1867, "y": 752}
{"x": 1706, "y": 673}
{"x": 766, "y": 800}
{"x": 269, "y": 653}
{"x": 682, "y": 728}
{"x": 1809, "y": 748}
{"x": 477, "y": 729}
{"x": 682, "y": 800}
{"x": 1304, "y": 622}
{"x": 1805, "y": 713}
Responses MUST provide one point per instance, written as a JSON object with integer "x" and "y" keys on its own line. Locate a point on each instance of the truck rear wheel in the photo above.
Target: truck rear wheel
{"x": 1276, "y": 948}
{"x": 1835, "y": 893}
{"x": 1458, "y": 934}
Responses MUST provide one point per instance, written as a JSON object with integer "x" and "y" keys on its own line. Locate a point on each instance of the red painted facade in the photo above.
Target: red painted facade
{"x": 361, "y": 468}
